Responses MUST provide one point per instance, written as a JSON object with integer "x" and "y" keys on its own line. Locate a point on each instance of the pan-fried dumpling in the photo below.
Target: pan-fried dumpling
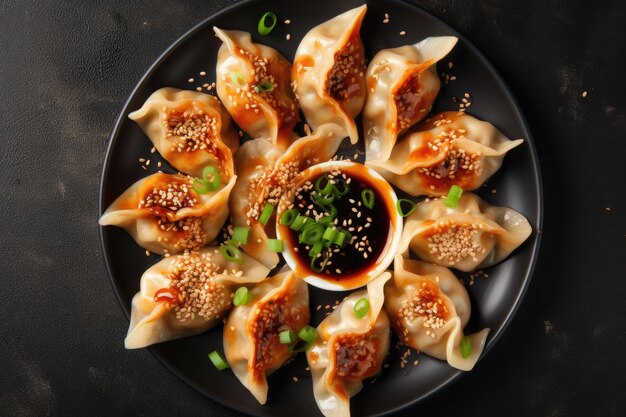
{"x": 190, "y": 129}
{"x": 187, "y": 294}
{"x": 251, "y": 332}
{"x": 165, "y": 215}
{"x": 451, "y": 148}
{"x": 403, "y": 84}
{"x": 252, "y": 80}
{"x": 328, "y": 73}
{"x": 473, "y": 235}
{"x": 429, "y": 307}
{"x": 265, "y": 174}
{"x": 349, "y": 349}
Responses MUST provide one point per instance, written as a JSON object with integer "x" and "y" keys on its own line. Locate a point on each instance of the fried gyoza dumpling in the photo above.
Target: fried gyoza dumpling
{"x": 328, "y": 73}
{"x": 164, "y": 214}
{"x": 472, "y": 235}
{"x": 251, "y": 332}
{"x": 187, "y": 294}
{"x": 349, "y": 349}
{"x": 191, "y": 130}
{"x": 429, "y": 307}
{"x": 451, "y": 148}
{"x": 253, "y": 82}
{"x": 403, "y": 84}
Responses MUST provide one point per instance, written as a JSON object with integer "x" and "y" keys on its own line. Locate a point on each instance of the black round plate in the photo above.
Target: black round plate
{"x": 494, "y": 299}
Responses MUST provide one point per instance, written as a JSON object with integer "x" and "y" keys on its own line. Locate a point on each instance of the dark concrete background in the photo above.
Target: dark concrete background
{"x": 67, "y": 67}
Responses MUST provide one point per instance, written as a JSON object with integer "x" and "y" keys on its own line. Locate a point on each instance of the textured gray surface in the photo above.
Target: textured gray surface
{"x": 65, "y": 71}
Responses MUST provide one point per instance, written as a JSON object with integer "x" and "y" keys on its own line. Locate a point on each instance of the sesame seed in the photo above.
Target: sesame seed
{"x": 190, "y": 80}
{"x": 402, "y": 33}
{"x": 584, "y": 94}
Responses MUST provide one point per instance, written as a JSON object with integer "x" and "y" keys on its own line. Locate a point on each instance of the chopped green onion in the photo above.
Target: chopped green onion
{"x": 299, "y": 222}
{"x": 361, "y": 307}
{"x": 327, "y": 188}
{"x": 262, "y": 27}
{"x": 342, "y": 192}
{"x": 326, "y": 221}
{"x": 324, "y": 200}
{"x": 466, "y": 347}
{"x": 266, "y": 213}
{"x": 242, "y": 296}
{"x": 264, "y": 87}
{"x": 340, "y": 239}
{"x": 368, "y": 198}
{"x": 275, "y": 245}
{"x": 287, "y": 337}
{"x": 321, "y": 266}
{"x": 238, "y": 78}
{"x": 200, "y": 186}
{"x": 311, "y": 233}
{"x": 231, "y": 252}
{"x": 300, "y": 347}
{"x": 315, "y": 250}
{"x": 452, "y": 199}
{"x": 210, "y": 181}
{"x": 402, "y": 211}
{"x": 333, "y": 211}
{"x": 329, "y": 234}
{"x": 308, "y": 334}
{"x": 288, "y": 217}
{"x": 240, "y": 234}
{"x": 219, "y": 362}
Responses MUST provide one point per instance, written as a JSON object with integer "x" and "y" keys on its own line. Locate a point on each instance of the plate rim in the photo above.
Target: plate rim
{"x": 519, "y": 115}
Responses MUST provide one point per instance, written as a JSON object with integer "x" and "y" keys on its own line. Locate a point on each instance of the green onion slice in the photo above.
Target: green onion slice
{"x": 219, "y": 362}
{"x": 200, "y": 186}
{"x": 340, "y": 239}
{"x": 287, "y": 337}
{"x": 466, "y": 347}
{"x": 264, "y": 87}
{"x": 238, "y": 78}
{"x": 263, "y": 27}
{"x": 240, "y": 234}
{"x": 333, "y": 211}
{"x": 340, "y": 192}
{"x": 299, "y": 222}
{"x": 324, "y": 200}
{"x": 242, "y": 296}
{"x": 368, "y": 198}
{"x": 212, "y": 176}
{"x": 275, "y": 245}
{"x": 308, "y": 334}
{"x": 323, "y": 185}
{"x": 311, "y": 233}
{"x": 316, "y": 250}
{"x": 409, "y": 207}
{"x": 266, "y": 213}
{"x": 452, "y": 199}
{"x": 361, "y": 307}
{"x": 288, "y": 217}
{"x": 326, "y": 221}
{"x": 329, "y": 234}
{"x": 231, "y": 252}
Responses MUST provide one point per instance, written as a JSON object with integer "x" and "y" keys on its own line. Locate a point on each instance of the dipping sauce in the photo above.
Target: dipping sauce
{"x": 365, "y": 222}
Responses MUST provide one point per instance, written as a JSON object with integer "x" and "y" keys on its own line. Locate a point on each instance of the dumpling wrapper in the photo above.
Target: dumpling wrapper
{"x": 429, "y": 307}
{"x": 193, "y": 293}
{"x": 473, "y": 235}
{"x": 342, "y": 336}
{"x": 328, "y": 73}
{"x": 251, "y": 332}
{"x": 451, "y": 148}
{"x": 266, "y": 173}
{"x": 242, "y": 69}
{"x": 403, "y": 84}
{"x": 162, "y": 230}
{"x": 191, "y": 130}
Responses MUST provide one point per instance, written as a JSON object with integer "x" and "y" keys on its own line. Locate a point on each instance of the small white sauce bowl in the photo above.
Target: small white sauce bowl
{"x": 329, "y": 282}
